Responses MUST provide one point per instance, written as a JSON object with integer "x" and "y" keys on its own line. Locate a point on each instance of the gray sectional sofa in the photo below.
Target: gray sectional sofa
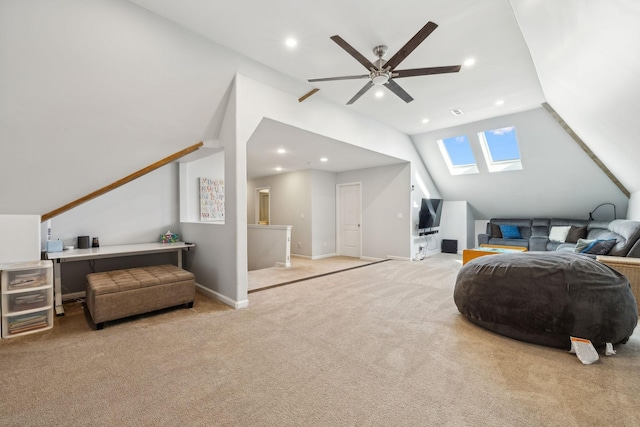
{"x": 537, "y": 234}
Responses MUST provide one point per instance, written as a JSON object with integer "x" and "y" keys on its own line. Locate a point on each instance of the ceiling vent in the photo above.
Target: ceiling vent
{"x": 457, "y": 112}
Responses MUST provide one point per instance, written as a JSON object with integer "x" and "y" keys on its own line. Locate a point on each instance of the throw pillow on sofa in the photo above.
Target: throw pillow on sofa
{"x": 495, "y": 231}
{"x": 595, "y": 247}
{"x": 510, "y": 231}
{"x": 559, "y": 233}
{"x": 576, "y": 233}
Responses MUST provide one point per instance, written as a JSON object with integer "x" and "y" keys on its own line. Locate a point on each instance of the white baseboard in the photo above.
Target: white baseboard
{"x": 283, "y": 264}
{"x": 323, "y": 256}
{"x": 215, "y": 295}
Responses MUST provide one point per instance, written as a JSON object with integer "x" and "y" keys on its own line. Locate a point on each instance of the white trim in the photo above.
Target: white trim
{"x": 324, "y": 256}
{"x": 228, "y": 301}
{"x": 283, "y": 264}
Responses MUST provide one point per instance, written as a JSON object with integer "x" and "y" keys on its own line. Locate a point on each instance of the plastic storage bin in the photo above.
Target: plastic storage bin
{"x": 27, "y": 297}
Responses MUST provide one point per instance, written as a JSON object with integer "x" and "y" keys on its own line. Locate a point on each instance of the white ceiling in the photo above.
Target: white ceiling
{"x": 485, "y": 31}
{"x": 304, "y": 151}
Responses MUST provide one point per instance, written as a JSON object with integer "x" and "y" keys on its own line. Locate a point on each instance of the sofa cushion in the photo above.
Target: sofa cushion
{"x": 559, "y": 233}
{"x": 495, "y": 231}
{"x": 595, "y": 247}
{"x": 576, "y": 233}
{"x": 510, "y": 231}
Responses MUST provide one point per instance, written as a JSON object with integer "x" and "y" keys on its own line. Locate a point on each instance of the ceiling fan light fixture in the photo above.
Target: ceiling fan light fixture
{"x": 379, "y": 77}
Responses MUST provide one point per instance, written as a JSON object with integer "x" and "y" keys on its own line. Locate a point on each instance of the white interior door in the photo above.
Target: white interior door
{"x": 349, "y": 219}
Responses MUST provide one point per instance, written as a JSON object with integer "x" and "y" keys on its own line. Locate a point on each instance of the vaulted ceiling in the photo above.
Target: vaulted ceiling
{"x": 577, "y": 55}
{"x": 485, "y": 32}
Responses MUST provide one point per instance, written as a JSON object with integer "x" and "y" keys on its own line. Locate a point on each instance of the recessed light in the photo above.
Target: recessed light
{"x": 324, "y": 159}
{"x": 469, "y": 62}
{"x": 457, "y": 112}
{"x": 499, "y": 102}
{"x": 425, "y": 120}
{"x": 279, "y": 169}
{"x": 291, "y": 42}
{"x": 379, "y": 94}
{"x": 281, "y": 151}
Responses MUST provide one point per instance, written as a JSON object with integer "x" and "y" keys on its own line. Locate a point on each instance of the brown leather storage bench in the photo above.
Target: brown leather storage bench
{"x": 117, "y": 294}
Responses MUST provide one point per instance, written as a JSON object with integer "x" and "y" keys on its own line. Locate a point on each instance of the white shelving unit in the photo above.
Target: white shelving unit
{"x": 27, "y": 297}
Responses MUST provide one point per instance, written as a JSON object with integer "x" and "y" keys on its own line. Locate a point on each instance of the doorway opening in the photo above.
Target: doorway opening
{"x": 263, "y": 206}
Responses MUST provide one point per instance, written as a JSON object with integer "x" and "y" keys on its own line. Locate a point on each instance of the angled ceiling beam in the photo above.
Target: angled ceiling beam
{"x": 308, "y": 94}
{"x": 586, "y": 149}
{"x": 121, "y": 182}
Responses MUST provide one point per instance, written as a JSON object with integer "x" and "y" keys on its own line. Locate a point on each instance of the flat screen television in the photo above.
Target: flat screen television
{"x": 430, "y": 212}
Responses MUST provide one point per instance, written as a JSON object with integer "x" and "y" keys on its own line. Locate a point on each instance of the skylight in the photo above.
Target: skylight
{"x": 500, "y": 148}
{"x": 458, "y": 156}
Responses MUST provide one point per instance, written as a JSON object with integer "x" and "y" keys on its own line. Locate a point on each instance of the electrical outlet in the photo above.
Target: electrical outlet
{"x": 299, "y": 244}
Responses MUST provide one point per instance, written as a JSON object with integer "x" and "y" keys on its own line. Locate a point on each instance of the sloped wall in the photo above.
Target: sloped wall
{"x": 558, "y": 178}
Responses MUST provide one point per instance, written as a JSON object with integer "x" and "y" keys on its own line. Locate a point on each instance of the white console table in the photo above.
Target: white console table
{"x": 106, "y": 252}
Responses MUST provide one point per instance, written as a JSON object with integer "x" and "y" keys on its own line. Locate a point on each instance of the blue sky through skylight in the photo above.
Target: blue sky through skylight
{"x": 503, "y": 144}
{"x": 459, "y": 150}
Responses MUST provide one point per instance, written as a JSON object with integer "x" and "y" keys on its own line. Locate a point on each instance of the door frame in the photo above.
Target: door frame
{"x": 339, "y": 216}
{"x": 256, "y": 202}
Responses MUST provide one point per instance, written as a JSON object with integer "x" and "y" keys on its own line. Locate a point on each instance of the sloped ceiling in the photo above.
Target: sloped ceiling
{"x": 579, "y": 56}
{"x": 485, "y": 31}
{"x": 586, "y": 56}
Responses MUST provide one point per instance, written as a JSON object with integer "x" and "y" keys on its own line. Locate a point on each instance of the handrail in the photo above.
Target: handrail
{"x": 122, "y": 181}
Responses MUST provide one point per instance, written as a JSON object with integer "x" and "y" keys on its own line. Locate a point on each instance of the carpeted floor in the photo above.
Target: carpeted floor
{"x": 381, "y": 345}
{"x": 301, "y": 268}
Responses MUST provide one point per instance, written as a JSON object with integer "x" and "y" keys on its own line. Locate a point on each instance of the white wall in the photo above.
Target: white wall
{"x": 290, "y": 204}
{"x": 268, "y": 246}
{"x": 386, "y": 208}
{"x": 634, "y": 207}
{"x": 95, "y": 90}
{"x": 558, "y": 178}
{"x": 137, "y": 212}
{"x": 20, "y": 240}
{"x": 323, "y": 211}
{"x": 211, "y": 166}
{"x": 582, "y": 54}
{"x": 457, "y": 224}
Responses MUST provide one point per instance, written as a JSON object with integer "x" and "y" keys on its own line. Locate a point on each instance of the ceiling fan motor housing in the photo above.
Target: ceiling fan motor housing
{"x": 379, "y": 77}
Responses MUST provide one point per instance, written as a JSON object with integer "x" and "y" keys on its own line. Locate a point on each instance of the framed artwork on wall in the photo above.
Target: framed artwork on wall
{"x": 211, "y": 199}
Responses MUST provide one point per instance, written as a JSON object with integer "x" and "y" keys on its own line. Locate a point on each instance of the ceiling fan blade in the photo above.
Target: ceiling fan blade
{"x": 410, "y": 45}
{"x": 362, "y": 91}
{"x": 395, "y": 88}
{"x": 351, "y": 51}
{"x": 426, "y": 71}
{"x": 328, "y": 79}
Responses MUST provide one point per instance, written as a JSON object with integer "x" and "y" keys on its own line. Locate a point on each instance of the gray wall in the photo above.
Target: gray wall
{"x": 386, "y": 195}
{"x": 290, "y": 200}
{"x": 558, "y": 178}
{"x": 138, "y": 212}
{"x": 323, "y": 206}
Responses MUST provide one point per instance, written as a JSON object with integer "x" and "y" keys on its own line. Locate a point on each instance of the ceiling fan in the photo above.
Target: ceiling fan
{"x": 383, "y": 72}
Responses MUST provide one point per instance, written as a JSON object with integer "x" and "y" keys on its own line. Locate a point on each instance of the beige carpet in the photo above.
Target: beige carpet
{"x": 381, "y": 345}
{"x": 301, "y": 268}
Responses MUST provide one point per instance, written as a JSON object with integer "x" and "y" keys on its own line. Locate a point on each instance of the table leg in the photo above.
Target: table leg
{"x": 57, "y": 288}
{"x": 179, "y": 258}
